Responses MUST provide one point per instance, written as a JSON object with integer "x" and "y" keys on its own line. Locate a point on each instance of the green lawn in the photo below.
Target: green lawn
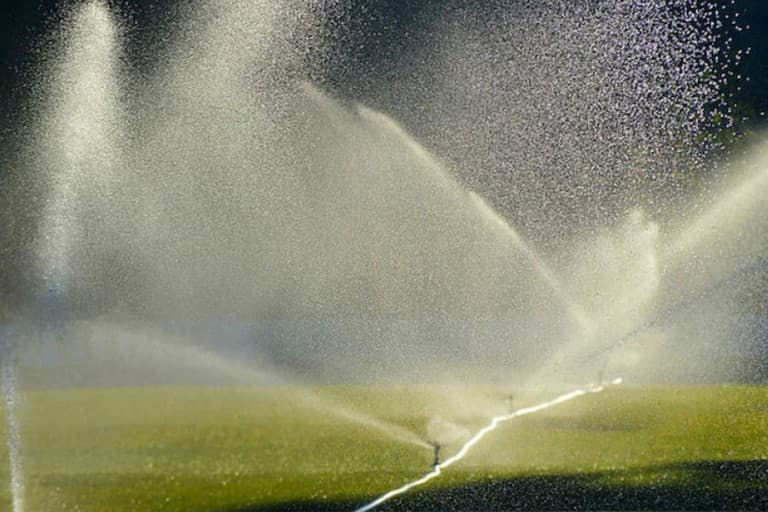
{"x": 219, "y": 449}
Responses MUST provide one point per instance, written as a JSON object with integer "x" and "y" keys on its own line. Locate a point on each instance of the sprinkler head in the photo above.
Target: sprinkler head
{"x": 436, "y": 460}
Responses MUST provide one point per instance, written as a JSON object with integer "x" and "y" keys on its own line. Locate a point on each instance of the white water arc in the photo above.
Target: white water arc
{"x": 572, "y": 308}
{"x": 137, "y": 342}
{"x": 617, "y": 277}
{"x": 484, "y": 213}
{"x": 80, "y": 139}
{"x": 728, "y": 235}
{"x": 588, "y": 323}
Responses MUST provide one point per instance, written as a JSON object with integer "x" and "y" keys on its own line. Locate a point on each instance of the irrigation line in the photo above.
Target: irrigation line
{"x": 494, "y": 423}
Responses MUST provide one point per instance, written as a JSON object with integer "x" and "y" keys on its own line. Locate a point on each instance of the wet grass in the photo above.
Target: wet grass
{"x": 251, "y": 449}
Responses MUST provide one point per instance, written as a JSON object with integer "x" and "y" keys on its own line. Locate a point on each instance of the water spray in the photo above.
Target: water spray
{"x": 11, "y": 402}
{"x": 444, "y": 179}
{"x": 250, "y": 374}
{"x": 491, "y": 426}
{"x": 573, "y": 308}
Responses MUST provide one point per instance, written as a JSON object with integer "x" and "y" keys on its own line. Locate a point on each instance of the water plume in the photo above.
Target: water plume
{"x": 616, "y": 275}
{"x": 11, "y": 402}
{"x": 444, "y": 432}
{"x": 80, "y": 139}
{"x": 726, "y": 234}
{"x": 137, "y": 345}
{"x": 572, "y": 307}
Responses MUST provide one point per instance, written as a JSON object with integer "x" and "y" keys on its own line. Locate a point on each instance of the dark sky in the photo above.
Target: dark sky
{"x": 756, "y": 63}
{"x": 392, "y": 22}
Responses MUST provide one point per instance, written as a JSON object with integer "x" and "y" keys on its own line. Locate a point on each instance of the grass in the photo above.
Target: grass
{"x": 227, "y": 449}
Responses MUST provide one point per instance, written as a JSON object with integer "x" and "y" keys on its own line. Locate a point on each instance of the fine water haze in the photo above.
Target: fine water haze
{"x": 511, "y": 208}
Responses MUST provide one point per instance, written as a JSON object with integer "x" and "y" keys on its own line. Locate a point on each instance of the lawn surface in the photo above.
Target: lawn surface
{"x": 281, "y": 448}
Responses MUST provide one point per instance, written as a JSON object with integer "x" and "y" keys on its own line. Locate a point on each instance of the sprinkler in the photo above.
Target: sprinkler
{"x": 479, "y": 435}
{"x": 436, "y": 446}
{"x": 510, "y": 401}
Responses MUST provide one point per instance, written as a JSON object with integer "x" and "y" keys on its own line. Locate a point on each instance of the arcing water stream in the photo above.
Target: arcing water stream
{"x": 158, "y": 345}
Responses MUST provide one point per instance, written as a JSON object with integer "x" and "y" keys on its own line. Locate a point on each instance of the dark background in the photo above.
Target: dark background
{"x": 374, "y": 35}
